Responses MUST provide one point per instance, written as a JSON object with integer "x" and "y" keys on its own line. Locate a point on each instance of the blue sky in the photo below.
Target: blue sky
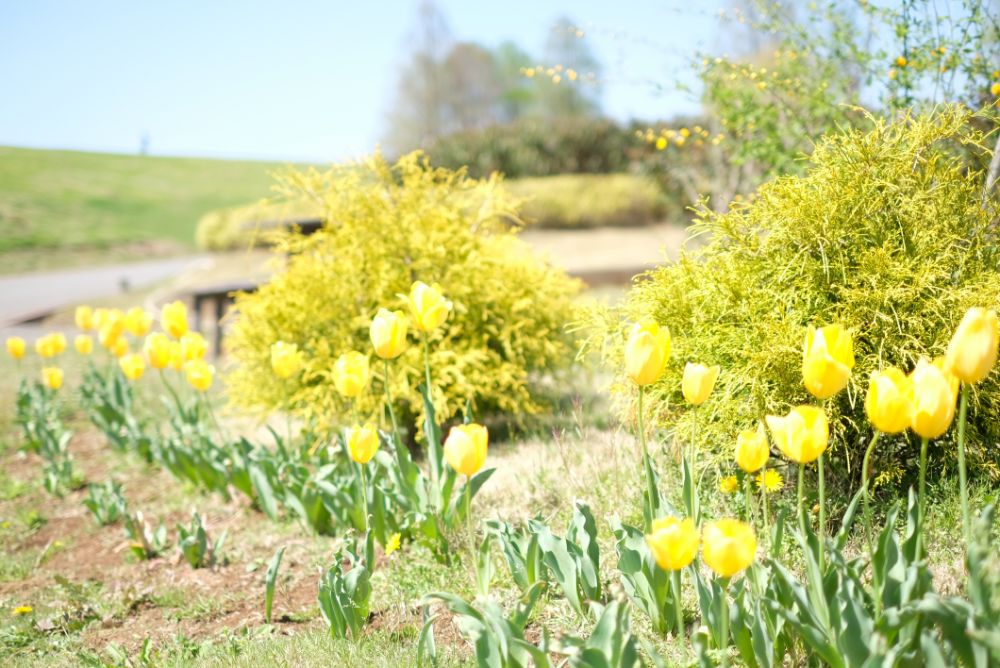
{"x": 291, "y": 80}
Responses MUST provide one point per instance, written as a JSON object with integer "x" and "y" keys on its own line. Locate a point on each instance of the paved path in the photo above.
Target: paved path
{"x": 26, "y": 296}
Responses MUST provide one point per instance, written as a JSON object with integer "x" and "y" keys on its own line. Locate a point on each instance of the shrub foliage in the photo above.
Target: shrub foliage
{"x": 590, "y": 200}
{"x": 886, "y": 231}
{"x": 387, "y": 226}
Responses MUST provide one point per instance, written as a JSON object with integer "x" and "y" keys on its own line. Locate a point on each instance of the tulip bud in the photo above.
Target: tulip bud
{"x": 428, "y": 307}
{"x": 157, "y": 350}
{"x": 888, "y": 401}
{"x": 388, "y": 333}
{"x": 673, "y": 542}
{"x": 972, "y": 351}
{"x": 752, "y": 449}
{"x": 52, "y": 377}
{"x": 133, "y": 366}
{"x": 199, "y": 374}
{"x": 827, "y": 360}
{"x": 84, "y": 317}
{"x": 84, "y": 344}
{"x": 647, "y": 351}
{"x": 350, "y": 373}
{"x": 465, "y": 448}
{"x": 698, "y": 382}
{"x": 728, "y": 546}
{"x": 16, "y": 347}
{"x": 137, "y": 321}
{"x": 173, "y": 319}
{"x": 932, "y": 400}
{"x": 802, "y": 435}
{"x": 286, "y": 359}
{"x": 362, "y": 442}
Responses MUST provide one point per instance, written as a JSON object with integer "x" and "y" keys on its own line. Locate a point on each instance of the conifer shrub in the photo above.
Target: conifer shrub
{"x": 887, "y": 232}
{"x": 387, "y": 225}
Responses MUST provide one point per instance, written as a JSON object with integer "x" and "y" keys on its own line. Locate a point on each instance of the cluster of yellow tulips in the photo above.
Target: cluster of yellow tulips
{"x": 466, "y": 445}
{"x": 176, "y": 347}
{"x": 923, "y": 400}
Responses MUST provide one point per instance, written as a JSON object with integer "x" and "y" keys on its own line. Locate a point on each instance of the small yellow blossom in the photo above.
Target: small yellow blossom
{"x": 23, "y": 610}
{"x": 770, "y": 481}
{"x": 728, "y": 484}
{"x": 392, "y": 544}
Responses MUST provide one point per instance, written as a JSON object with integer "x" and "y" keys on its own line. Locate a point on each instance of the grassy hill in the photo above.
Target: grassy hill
{"x": 54, "y": 203}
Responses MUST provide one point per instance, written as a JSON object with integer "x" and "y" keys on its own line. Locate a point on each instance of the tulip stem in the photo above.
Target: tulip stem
{"x": 822, "y": 511}
{"x": 747, "y": 492}
{"x": 388, "y": 402}
{"x": 364, "y": 497}
{"x": 724, "y": 623}
{"x": 865, "y": 498}
{"x": 170, "y": 388}
{"x": 651, "y": 505}
{"x": 921, "y": 490}
{"x": 763, "y": 501}
{"x": 215, "y": 421}
{"x": 468, "y": 522}
{"x": 431, "y": 448}
{"x": 963, "y": 409}
{"x": 801, "y": 508}
{"x": 675, "y": 577}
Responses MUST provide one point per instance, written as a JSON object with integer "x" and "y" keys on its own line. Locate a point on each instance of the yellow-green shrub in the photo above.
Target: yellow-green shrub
{"x": 589, "y": 200}
{"x": 242, "y": 227}
{"x": 387, "y": 226}
{"x": 886, "y": 232}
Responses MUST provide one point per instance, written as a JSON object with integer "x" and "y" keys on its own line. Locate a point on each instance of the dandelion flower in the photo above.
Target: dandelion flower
{"x": 23, "y": 610}
{"x": 770, "y": 481}
{"x": 392, "y": 544}
{"x": 728, "y": 484}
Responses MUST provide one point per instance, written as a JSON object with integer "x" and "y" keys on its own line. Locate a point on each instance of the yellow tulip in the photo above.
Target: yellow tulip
{"x": 350, "y": 373}
{"x": 176, "y": 356}
{"x": 173, "y": 319}
{"x": 16, "y": 347}
{"x": 50, "y": 345}
{"x": 698, "y": 382}
{"x": 362, "y": 442}
{"x": 388, "y": 333}
{"x": 286, "y": 359}
{"x": 673, "y": 542}
{"x": 888, "y": 401}
{"x": 932, "y": 400}
{"x": 827, "y": 360}
{"x": 802, "y": 435}
{"x": 972, "y": 351}
{"x": 193, "y": 346}
{"x": 428, "y": 306}
{"x": 465, "y": 448}
{"x": 84, "y": 317}
{"x": 100, "y": 317}
{"x": 137, "y": 321}
{"x": 199, "y": 374}
{"x": 112, "y": 329}
{"x": 157, "y": 350}
{"x": 119, "y": 347}
{"x": 52, "y": 376}
{"x": 953, "y": 380}
{"x": 752, "y": 449}
{"x": 132, "y": 365}
{"x": 647, "y": 352}
{"x": 728, "y": 546}
{"x": 84, "y": 344}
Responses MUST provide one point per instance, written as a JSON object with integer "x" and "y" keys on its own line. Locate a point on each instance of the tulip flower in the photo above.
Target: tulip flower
{"x": 802, "y": 435}
{"x": 647, "y": 352}
{"x": 199, "y": 374}
{"x": 388, "y": 333}
{"x": 698, "y": 382}
{"x": 752, "y": 449}
{"x": 119, "y": 347}
{"x": 931, "y": 400}
{"x": 362, "y": 442}
{"x": 52, "y": 377}
{"x": 673, "y": 542}
{"x": 728, "y": 547}
{"x": 100, "y": 316}
{"x": 465, "y": 448}
{"x": 193, "y": 346}
{"x": 827, "y": 360}
{"x": 286, "y": 359}
{"x": 972, "y": 351}
{"x": 84, "y": 317}
{"x": 428, "y": 307}
{"x": 173, "y": 319}
{"x": 16, "y": 347}
{"x": 132, "y": 365}
{"x": 157, "y": 350}
{"x": 176, "y": 356}
{"x": 51, "y": 345}
{"x": 137, "y": 321}
{"x": 888, "y": 401}
{"x": 84, "y": 344}
{"x": 350, "y": 374}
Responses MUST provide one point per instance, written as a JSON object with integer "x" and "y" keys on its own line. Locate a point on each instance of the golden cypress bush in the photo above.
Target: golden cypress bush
{"x": 886, "y": 232}
{"x": 387, "y": 226}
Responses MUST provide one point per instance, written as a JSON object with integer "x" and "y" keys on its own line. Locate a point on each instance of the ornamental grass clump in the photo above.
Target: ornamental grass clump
{"x": 887, "y": 233}
{"x": 386, "y": 227}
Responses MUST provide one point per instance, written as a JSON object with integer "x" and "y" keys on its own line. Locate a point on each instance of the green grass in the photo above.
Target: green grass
{"x": 59, "y": 200}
